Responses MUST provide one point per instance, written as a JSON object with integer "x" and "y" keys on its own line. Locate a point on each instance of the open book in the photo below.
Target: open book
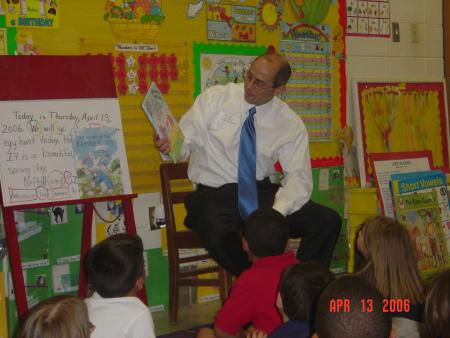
{"x": 163, "y": 121}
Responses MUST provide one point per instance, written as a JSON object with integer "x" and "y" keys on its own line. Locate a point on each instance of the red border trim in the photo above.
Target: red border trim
{"x": 327, "y": 162}
{"x": 342, "y": 65}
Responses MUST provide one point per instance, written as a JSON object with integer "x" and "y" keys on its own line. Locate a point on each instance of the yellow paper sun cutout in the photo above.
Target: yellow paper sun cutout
{"x": 269, "y": 14}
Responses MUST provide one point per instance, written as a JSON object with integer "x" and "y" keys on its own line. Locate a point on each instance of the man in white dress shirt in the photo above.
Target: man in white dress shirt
{"x": 212, "y": 128}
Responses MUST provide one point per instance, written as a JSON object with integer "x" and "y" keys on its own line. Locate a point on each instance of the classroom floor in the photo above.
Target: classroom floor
{"x": 188, "y": 316}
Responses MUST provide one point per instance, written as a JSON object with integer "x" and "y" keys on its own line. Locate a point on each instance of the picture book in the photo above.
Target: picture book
{"x": 420, "y": 213}
{"x": 426, "y": 181}
{"x": 163, "y": 121}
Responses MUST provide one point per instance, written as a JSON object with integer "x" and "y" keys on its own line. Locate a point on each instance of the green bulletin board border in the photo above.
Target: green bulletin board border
{"x": 223, "y": 49}
{"x": 10, "y": 36}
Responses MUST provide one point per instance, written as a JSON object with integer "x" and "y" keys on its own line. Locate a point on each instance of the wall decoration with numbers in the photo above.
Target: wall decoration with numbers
{"x": 308, "y": 92}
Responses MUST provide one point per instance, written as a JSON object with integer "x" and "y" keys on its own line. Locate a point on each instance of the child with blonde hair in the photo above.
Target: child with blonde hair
{"x": 391, "y": 266}
{"x": 57, "y": 317}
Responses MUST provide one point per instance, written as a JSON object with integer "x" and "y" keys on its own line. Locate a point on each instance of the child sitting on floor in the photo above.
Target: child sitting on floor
{"x": 299, "y": 290}
{"x": 437, "y": 307}
{"x": 57, "y": 317}
{"x": 253, "y": 296}
{"x": 115, "y": 268}
{"x": 351, "y": 307}
{"x": 391, "y": 266}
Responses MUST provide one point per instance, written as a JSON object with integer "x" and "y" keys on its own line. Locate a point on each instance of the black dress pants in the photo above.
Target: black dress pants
{"x": 213, "y": 214}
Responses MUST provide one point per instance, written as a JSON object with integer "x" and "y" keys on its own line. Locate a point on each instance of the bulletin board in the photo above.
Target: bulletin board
{"x": 84, "y": 29}
{"x": 143, "y": 159}
{"x": 400, "y": 117}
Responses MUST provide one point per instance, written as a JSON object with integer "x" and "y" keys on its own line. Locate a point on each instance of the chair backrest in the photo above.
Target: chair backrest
{"x": 170, "y": 172}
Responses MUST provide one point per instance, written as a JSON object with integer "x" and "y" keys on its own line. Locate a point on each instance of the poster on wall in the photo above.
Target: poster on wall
{"x": 308, "y": 92}
{"x": 231, "y": 22}
{"x": 32, "y": 13}
{"x": 368, "y": 18}
{"x": 399, "y": 117}
{"x": 25, "y": 44}
{"x": 219, "y": 64}
{"x": 56, "y": 150}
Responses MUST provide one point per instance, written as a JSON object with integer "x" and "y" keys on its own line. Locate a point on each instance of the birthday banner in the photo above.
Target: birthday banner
{"x": 32, "y": 14}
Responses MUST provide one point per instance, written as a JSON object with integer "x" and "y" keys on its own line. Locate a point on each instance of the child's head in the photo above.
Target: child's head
{"x": 437, "y": 307}
{"x": 360, "y": 313}
{"x": 300, "y": 288}
{"x": 57, "y": 317}
{"x": 115, "y": 266}
{"x": 266, "y": 233}
{"x": 391, "y": 264}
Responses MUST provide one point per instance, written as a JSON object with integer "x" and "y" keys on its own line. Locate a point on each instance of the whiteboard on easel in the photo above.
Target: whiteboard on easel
{"x": 61, "y": 149}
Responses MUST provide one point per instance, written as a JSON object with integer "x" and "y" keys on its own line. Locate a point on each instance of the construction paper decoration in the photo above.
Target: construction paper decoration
{"x": 311, "y": 12}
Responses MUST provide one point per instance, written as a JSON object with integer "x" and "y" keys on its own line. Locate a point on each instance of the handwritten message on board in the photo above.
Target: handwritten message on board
{"x": 56, "y": 150}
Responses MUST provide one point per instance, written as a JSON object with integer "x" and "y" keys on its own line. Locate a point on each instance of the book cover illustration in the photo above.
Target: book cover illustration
{"x": 163, "y": 121}
{"x": 97, "y": 162}
{"x": 426, "y": 181}
{"x": 420, "y": 213}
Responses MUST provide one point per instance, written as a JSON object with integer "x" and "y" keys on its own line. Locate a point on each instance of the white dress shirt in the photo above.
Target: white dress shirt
{"x": 212, "y": 129}
{"x": 121, "y": 317}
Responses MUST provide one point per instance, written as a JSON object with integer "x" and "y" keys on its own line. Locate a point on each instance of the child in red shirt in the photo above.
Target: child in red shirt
{"x": 253, "y": 296}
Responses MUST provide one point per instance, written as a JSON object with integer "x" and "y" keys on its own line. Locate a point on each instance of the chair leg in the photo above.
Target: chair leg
{"x": 224, "y": 283}
{"x": 173, "y": 296}
{"x": 175, "y": 303}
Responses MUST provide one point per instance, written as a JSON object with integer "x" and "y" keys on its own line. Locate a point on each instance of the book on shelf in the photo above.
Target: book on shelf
{"x": 420, "y": 213}
{"x": 421, "y": 204}
{"x": 426, "y": 181}
{"x": 161, "y": 118}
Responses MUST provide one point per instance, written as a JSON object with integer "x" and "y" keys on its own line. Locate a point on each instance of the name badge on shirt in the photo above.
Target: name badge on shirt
{"x": 229, "y": 121}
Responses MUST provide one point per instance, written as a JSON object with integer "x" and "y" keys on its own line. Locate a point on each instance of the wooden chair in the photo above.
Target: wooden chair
{"x": 184, "y": 239}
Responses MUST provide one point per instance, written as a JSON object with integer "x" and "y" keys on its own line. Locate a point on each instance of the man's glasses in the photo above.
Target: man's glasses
{"x": 259, "y": 84}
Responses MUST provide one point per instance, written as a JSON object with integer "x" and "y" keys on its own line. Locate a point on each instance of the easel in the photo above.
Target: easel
{"x": 14, "y": 251}
{"x": 53, "y": 78}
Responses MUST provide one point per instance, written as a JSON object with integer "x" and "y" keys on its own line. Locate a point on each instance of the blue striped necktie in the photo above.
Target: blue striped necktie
{"x": 247, "y": 191}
